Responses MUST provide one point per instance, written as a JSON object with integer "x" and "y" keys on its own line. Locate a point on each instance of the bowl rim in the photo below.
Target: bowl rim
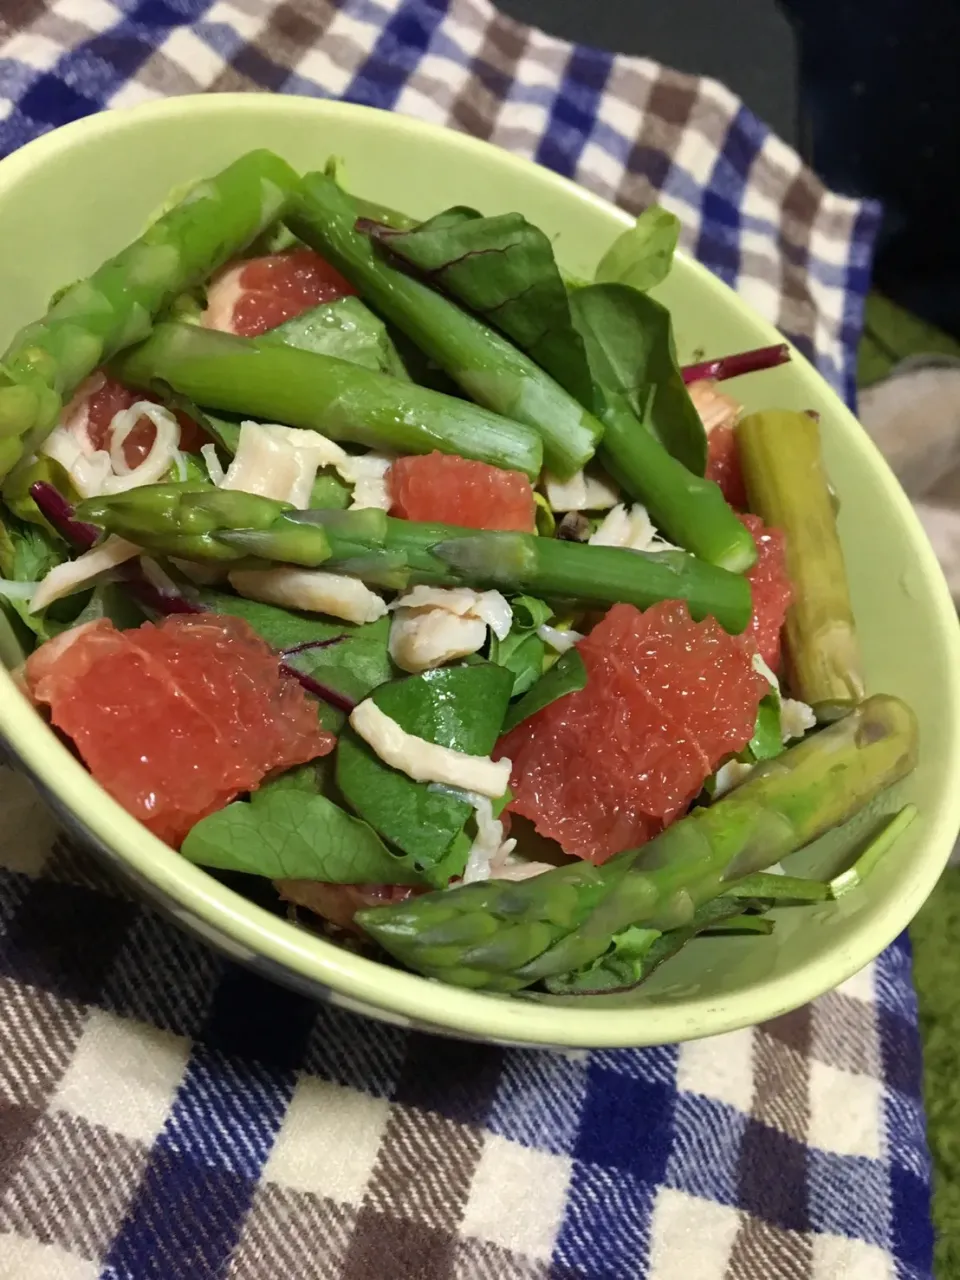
{"x": 252, "y": 929}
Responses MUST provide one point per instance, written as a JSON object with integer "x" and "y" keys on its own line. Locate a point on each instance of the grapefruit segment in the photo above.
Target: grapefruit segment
{"x": 440, "y": 488}
{"x": 108, "y": 398}
{"x": 723, "y": 466}
{"x": 666, "y": 700}
{"x": 176, "y": 719}
{"x": 249, "y": 298}
{"x": 771, "y": 591}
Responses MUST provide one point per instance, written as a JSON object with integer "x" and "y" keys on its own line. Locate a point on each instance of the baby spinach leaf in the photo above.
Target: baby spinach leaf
{"x": 110, "y": 601}
{"x": 608, "y": 344}
{"x": 288, "y": 833}
{"x": 529, "y": 613}
{"x": 458, "y": 707}
{"x": 346, "y": 329}
{"x": 767, "y": 740}
{"x": 642, "y": 257}
{"x": 504, "y": 270}
{"x": 633, "y": 362}
{"x": 567, "y": 675}
{"x": 353, "y": 666}
{"x": 521, "y": 653}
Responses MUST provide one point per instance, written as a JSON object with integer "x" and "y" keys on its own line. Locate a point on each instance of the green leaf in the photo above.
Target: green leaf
{"x": 521, "y": 651}
{"x": 635, "y": 952}
{"x": 546, "y": 521}
{"x": 458, "y": 707}
{"x": 567, "y": 675}
{"x": 504, "y": 270}
{"x": 345, "y": 329}
{"x": 110, "y": 601}
{"x": 529, "y": 613}
{"x": 608, "y": 344}
{"x": 633, "y": 362}
{"x": 767, "y": 740}
{"x": 289, "y": 834}
{"x": 14, "y": 642}
{"x": 642, "y": 257}
{"x": 27, "y": 554}
{"x": 354, "y": 666}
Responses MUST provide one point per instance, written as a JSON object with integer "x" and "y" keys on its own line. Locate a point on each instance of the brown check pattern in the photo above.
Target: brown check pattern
{"x": 164, "y": 1114}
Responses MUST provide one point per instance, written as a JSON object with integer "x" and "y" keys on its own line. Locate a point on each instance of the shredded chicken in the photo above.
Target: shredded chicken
{"x": 716, "y": 408}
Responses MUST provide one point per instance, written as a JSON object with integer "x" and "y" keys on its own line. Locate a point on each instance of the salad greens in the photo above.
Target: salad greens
{"x": 288, "y": 834}
{"x": 483, "y": 363}
{"x": 421, "y": 641}
{"x": 567, "y": 675}
{"x": 458, "y": 707}
{"x": 642, "y": 257}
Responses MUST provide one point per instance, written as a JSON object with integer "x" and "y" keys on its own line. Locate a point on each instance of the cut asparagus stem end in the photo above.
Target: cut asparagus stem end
{"x": 881, "y": 843}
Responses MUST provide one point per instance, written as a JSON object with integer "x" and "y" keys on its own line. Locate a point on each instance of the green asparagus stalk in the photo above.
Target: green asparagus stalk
{"x": 115, "y": 306}
{"x": 323, "y": 393}
{"x": 690, "y": 509}
{"x": 502, "y": 935}
{"x": 787, "y": 487}
{"x": 486, "y": 365}
{"x": 184, "y": 521}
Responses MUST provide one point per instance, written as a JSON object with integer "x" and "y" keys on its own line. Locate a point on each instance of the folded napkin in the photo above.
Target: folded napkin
{"x": 166, "y": 1114}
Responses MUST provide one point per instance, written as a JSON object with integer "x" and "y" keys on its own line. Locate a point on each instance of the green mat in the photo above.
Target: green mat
{"x": 936, "y": 969}
{"x": 890, "y": 335}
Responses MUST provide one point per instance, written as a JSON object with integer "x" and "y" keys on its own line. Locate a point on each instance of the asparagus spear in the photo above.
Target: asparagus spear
{"x": 115, "y": 307}
{"x": 503, "y": 935}
{"x": 185, "y": 521}
{"x": 486, "y": 365}
{"x": 787, "y": 487}
{"x": 277, "y": 383}
{"x": 689, "y": 508}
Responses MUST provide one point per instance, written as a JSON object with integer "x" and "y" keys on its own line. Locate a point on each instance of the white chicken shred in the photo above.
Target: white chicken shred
{"x": 74, "y": 575}
{"x": 489, "y": 846}
{"x": 425, "y": 761}
{"x": 559, "y": 641}
{"x": 311, "y": 590}
{"x": 420, "y": 641}
{"x": 88, "y": 468}
{"x": 164, "y": 452}
{"x": 434, "y": 625}
{"x": 796, "y": 719}
{"x": 582, "y": 492}
{"x": 280, "y": 462}
{"x": 631, "y": 529}
{"x": 730, "y": 775}
{"x": 367, "y": 472}
{"x": 716, "y": 409}
{"x": 212, "y": 462}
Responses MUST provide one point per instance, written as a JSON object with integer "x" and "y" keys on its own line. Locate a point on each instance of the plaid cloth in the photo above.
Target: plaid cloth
{"x": 167, "y": 1114}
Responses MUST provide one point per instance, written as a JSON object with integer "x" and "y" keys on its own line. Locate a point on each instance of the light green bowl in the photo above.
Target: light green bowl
{"x": 74, "y": 197}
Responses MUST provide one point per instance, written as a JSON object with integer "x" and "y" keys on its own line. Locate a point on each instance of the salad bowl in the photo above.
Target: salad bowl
{"x": 126, "y": 163}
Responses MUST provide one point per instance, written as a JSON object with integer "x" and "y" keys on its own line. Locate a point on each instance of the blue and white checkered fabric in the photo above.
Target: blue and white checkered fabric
{"x": 164, "y": 1114}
